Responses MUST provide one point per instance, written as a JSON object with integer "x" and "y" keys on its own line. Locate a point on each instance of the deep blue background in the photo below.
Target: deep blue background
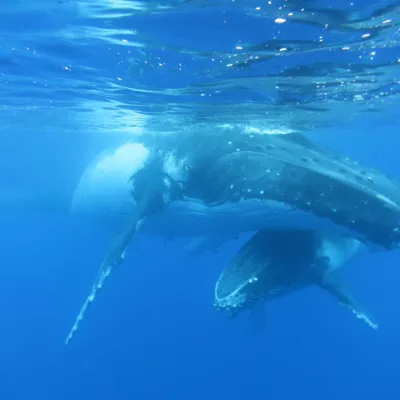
{"x": 153, "y": 333}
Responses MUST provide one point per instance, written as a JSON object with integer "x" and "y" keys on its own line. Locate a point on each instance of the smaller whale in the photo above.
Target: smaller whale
{"x": 273, "y": 264}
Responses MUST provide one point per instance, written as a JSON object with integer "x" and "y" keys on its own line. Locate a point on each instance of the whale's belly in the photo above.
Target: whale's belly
{"x": 193, "y": 218}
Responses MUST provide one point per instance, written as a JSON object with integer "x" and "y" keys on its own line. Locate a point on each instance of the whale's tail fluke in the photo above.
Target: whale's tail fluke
{"x": 114, "y": 258}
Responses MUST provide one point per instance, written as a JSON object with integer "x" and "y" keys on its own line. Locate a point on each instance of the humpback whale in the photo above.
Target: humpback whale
{"x": 273, "y": 264}
{"x": 229, "y": 181}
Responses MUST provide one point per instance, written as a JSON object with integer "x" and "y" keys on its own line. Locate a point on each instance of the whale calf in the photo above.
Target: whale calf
{"x": 273, "y": 264}
{"x": 226, "y": 182}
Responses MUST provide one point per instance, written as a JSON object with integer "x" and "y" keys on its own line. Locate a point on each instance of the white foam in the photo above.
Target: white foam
{"x": 251, "y": 130}
{"x": 254, "y": 130}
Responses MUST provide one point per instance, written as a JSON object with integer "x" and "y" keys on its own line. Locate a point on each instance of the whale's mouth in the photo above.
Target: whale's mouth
{"x": 241, "y": 283}
{"x": 231, "y": 297}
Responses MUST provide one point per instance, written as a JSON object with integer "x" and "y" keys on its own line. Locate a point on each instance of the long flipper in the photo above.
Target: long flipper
{"x": 335, "y": 286}
{"x": 114, "y": 258}
{"x": 152, "y": 190}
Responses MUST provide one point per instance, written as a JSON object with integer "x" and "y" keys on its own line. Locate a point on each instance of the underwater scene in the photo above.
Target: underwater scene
{"x": 199, "y": 199}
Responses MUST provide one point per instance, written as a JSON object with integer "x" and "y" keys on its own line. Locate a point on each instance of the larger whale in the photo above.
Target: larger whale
{"x": 241, "y": 176}
{"x": 229, "y": 181}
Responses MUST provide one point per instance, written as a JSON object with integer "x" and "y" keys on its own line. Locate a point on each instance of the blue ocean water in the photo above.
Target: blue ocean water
{"x": 79, "y": 76}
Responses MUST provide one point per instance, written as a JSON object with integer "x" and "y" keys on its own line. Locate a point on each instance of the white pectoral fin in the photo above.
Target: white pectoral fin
{"x": 114, "y": 258}
{"x": 335, "y": 286}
